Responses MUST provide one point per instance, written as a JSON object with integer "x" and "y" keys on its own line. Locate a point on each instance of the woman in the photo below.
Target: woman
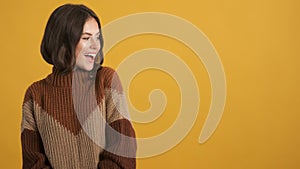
{"x": 77, "y": 116}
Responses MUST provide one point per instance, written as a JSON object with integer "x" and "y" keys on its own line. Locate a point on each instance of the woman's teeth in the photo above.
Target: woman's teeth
{"x": 91, "y": 55}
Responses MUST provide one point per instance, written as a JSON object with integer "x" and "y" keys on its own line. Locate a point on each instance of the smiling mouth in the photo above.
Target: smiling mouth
{"x": 90, "y": 56}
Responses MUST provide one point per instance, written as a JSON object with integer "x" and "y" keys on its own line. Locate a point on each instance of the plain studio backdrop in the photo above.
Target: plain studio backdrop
{"x": 258, "y": 45}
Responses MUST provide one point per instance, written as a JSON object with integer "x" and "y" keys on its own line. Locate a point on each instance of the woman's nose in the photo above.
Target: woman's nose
{"x": 94, "y": 44}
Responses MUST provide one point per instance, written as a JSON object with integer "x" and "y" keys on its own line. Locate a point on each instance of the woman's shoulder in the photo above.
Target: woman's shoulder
{"x": 34, "y": 89}
{"x": 106, "y": 70}
{"x": 108, "y": 76}
{"x": 39, "y": 84}
{"x": 107, "y": 73}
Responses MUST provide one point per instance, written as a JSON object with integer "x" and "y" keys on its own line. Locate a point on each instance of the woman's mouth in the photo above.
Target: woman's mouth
{"x": 91, "y": 57}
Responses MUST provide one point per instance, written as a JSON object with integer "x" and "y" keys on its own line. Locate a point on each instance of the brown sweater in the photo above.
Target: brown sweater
{"x": 67, "y": 123}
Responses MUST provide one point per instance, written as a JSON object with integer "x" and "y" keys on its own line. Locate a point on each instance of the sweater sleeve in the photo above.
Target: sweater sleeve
{"x": 33, "y": 155}
{"x": 117, "y": 144}
{"x": 120, "y": 149}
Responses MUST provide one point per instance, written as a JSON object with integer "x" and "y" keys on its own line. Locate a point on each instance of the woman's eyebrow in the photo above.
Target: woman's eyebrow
{"x": 87, "y": 33}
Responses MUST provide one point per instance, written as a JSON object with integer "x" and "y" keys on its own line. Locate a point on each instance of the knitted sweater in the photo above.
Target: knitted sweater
{"x": 66, "y": 119}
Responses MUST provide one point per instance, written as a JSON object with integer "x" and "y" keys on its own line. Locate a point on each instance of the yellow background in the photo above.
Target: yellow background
{"x": 258, "y": 43}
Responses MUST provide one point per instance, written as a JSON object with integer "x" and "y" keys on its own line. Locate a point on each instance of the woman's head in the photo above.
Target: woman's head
{"x": 72, "y": 39}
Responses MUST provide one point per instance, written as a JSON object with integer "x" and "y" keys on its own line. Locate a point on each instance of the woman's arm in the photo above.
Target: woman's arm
{"x": 32, "y": 147}
{"x": 117, "y": 145}
{"x": 120, "y": 149}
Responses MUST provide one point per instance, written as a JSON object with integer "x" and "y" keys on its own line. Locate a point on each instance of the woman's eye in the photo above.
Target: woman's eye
{"x": 86, "y": 38}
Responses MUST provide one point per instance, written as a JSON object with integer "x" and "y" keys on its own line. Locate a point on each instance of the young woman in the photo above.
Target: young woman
{"x": 77, "y": 116}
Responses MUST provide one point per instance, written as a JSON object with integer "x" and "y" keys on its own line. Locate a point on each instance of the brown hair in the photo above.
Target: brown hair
{"x": 63, "y": 32}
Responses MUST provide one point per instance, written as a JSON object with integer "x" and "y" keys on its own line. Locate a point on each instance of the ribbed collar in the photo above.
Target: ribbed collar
{"x": 59, "y": 79}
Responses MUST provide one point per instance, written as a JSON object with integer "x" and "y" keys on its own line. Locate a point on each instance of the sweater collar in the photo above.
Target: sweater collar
{"x": 59, "y": 79}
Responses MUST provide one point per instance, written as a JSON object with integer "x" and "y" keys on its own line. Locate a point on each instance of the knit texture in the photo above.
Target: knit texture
{"x": 66, "y": 119}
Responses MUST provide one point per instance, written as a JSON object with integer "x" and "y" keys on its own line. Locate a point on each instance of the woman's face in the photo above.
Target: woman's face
{"x": 88, "y": 45}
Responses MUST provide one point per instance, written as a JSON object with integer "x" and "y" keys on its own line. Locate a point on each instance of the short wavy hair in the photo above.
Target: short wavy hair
{"x": 62, "y": 34}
